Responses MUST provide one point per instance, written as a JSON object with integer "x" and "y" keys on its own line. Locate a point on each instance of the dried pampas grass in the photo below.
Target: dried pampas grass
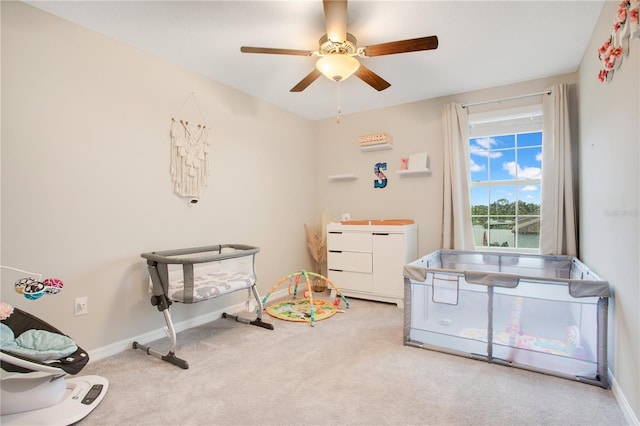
{"x": 317, "y": 245}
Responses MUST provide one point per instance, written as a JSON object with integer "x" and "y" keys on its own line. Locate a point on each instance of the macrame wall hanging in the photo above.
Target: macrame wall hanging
{"x": 189, "y": 155}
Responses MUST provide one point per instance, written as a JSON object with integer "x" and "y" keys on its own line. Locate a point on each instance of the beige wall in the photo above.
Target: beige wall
{"x": 609, "y": 190}
{"x": 415, "y": 127}
{"x": 85, "y": 175}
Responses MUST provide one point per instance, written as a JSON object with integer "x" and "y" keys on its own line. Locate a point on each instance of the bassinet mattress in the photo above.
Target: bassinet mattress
{"x": 208, "y": 284}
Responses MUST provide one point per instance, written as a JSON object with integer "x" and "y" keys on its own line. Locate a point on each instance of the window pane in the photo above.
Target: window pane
{"x": 529, "y": 163}
{"x": 502, "y": 200}
{"x": 479, "y": 159}
{"x": 530, "y": 139}
{"x": 479, "y": 166}
{"x": 528, "y": 200}
{"x": 528, "y": 232}
{"x": 501, "y": 165}
{"x": 480, "y": 230}
{"x": 479, "y": 200}
{"x": 501, "y": 231}
{"x": 506, "y": 141}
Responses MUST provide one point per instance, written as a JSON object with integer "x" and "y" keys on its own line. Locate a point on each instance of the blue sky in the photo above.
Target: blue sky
{"x": 509, "y": 157}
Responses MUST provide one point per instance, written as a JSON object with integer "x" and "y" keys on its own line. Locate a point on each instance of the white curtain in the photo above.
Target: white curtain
{"x": 456, "y": 215}
{"x": 557, "y": 215}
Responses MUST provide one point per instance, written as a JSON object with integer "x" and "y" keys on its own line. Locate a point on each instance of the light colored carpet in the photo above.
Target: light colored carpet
{"x": 350, "y": 369}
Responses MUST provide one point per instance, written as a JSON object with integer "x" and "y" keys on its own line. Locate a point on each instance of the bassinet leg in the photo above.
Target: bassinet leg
{"x": 258, "y": 321}
{"x": 170, "y": 357}
{"x": 262, "y": 324}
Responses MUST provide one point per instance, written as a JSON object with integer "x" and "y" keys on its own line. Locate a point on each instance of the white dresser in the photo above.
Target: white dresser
{"x": 367, "y": 261}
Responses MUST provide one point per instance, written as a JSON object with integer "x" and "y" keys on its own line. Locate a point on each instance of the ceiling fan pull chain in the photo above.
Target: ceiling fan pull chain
{"x": 338, "y": 117}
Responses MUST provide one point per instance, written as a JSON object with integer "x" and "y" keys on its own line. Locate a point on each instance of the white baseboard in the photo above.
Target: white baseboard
{"x": 123, "y": 345}
{"x": 632, "y": 419}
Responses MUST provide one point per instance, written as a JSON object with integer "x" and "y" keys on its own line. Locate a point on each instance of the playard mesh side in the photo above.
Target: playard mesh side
{"x": 541, "y": 313}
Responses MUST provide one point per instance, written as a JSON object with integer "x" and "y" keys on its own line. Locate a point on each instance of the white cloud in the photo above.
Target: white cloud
{"x": 486, "y": 143}
{"x": 518, "y": 172}
{"x": 475, "y": 167}
{"x": 482, "y": 152}
{"x": 529, "y": 188}
{"x": 539, "y": 156}
{"x": 482, "y": 146}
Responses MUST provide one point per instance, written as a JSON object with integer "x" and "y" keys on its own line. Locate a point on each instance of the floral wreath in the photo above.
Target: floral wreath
{"x": 625, "y": 27}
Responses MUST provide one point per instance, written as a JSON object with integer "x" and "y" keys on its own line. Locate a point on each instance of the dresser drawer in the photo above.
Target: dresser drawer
{"x": 350, "y": 261}
{"x": 351, "y": 280}
{"x": 349, "y": 241}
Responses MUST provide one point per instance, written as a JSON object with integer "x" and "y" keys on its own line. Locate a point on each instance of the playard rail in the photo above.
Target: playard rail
{"x": 199, "y": 274}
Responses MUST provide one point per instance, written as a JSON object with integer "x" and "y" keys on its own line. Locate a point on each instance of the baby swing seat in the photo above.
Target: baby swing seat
{"x": 34, "y": 365}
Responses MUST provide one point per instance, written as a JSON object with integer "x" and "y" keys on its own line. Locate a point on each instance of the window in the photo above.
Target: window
{"x": 505, "y": 149}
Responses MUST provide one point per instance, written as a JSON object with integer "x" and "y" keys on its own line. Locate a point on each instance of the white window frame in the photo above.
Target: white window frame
{"x": 512, "y": 121}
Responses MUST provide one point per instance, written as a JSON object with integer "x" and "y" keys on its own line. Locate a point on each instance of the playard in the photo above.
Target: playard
{"x": 542, "y": 313}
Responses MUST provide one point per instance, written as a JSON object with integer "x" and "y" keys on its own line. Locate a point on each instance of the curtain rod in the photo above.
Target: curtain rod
{"x": 546, "y": 92}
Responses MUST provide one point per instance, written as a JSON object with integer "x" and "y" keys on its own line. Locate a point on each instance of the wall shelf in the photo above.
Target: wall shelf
{"x": 376, "y": 147}
{"x": 414, "y": 172}
{"x": 342, "y": 177}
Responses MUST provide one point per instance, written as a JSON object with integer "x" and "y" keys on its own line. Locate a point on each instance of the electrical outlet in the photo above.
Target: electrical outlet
{"x": 81, "y": 306}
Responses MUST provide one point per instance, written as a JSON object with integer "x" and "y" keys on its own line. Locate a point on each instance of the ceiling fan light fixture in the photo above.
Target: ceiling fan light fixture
{"x": 337, "y": 66}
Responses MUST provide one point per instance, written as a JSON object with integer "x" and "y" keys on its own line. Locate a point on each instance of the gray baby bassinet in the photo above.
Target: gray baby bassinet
{"x": 197, "y": 274}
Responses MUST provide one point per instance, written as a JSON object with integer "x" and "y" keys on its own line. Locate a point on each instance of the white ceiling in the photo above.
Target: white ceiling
{"x": 481, "y": 44}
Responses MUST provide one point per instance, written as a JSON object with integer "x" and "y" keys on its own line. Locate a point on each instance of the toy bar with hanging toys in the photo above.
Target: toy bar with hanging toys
{"x": 33, "y": 288}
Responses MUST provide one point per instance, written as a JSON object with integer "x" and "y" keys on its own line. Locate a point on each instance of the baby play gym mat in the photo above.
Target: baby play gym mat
{"x": 306, "y": 309}
{"x": 300, "y": 310}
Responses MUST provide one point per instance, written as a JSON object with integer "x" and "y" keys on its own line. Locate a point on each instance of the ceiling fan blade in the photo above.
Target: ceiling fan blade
{"x": 305, "y": 82}
{"x": 371, "y": 78}
{"x": 402, "y": 46}
{"x": 335, "y": 17}
{"x": 249, "y": 49}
